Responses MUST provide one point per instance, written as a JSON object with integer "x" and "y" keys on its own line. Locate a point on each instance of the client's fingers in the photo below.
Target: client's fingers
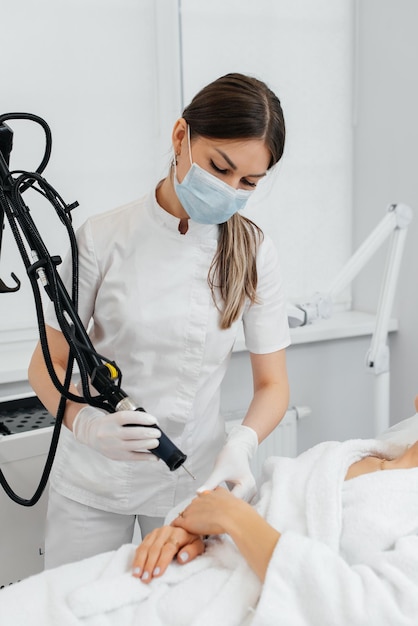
{"x": 148, "y": 550}
{"x": 191, "y": 551}
{"x": 158, "y": 549}
{"x": 159, "y": 559}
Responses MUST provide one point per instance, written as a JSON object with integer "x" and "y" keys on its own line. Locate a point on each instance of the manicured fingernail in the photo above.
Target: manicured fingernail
{"x": 183, "y": 556}
{"x": 156, "y": 571}
{"x": 136, "y": 571}
{"x": 145, "y": 576}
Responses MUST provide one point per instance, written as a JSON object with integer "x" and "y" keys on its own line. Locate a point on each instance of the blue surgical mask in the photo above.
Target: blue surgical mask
{"x": 206, "y": 198}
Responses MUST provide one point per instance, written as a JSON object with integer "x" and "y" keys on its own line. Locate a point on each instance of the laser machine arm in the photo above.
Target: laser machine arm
{"x": 95, "y": 369}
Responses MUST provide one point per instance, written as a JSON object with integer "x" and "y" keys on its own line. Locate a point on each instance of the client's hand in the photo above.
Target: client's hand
{"x": 219, "y": 512}
{"x": 212, "y": 512}
{"x": 160, "y": 547}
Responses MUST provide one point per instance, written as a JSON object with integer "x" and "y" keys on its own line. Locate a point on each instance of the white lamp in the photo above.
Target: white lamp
{"x": 395, "y": 223}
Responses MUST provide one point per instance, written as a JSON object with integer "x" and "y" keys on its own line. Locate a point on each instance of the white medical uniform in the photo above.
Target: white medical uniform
{"x": 145, "y": 287}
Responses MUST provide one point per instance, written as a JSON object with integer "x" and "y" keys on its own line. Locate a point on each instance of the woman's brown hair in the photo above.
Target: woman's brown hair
{"x": 237, "y": 106}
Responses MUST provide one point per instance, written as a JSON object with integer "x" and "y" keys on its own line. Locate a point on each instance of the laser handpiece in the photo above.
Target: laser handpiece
{"x": 166, "y": 450}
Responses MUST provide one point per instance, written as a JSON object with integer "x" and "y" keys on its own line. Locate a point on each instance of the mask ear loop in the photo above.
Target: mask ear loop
{"x": 183, "y": 226}
{"x": 174, "y": 162}
{"x": 190, "y": 144}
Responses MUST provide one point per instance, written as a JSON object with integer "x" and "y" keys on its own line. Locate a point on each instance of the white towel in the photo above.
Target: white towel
{"x": 217, "y": 587}
{"x": 356, "y": 561}
{"x": 328, "y": 567}
{"x": 40, "y": 600}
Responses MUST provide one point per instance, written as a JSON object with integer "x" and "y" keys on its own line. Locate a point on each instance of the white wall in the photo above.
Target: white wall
{"x": 386, "y": 168}
{"x": 303, "y": 49}
{"x": 104, "y": 74}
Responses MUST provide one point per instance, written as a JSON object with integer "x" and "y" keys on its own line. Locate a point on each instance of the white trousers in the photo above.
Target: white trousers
{"x": 75, "y": 531}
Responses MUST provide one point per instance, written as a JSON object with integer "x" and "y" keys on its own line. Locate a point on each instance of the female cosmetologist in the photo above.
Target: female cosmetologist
{"x": 165, "y": 282}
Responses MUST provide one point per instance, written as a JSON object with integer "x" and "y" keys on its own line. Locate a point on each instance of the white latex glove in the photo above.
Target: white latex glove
{"x": 106, "y": 433}
{"x": 233, "y": 463}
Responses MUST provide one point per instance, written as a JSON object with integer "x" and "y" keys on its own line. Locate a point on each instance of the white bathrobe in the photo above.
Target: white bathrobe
{"x": 348, "y": 555}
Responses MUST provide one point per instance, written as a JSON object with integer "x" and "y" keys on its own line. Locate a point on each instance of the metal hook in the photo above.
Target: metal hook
{"x": 5, "y": 289}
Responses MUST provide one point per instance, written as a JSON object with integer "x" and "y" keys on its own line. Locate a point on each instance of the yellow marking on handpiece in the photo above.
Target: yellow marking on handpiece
{"x": 113, "y": 371}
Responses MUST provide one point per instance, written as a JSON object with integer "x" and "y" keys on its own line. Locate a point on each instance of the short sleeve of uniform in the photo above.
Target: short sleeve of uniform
{"x": 265, "y": 322}
{"x": 88, "y": 278}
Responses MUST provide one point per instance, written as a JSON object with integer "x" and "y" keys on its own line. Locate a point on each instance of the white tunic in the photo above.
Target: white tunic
{"x": 144, "y": 286}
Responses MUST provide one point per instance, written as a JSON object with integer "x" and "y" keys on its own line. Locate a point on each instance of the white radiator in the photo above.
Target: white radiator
{"x": 283, "y": 441}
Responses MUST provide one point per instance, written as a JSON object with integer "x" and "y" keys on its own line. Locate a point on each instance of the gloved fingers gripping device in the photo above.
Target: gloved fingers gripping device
{"x": 95, "y": 370}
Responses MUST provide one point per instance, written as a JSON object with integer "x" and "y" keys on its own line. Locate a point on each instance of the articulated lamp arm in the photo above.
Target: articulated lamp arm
{"x": 395, "y": 225}
{"x": 320, "y": 306}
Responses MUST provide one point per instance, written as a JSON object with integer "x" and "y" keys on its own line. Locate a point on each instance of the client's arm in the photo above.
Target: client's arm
{"x": 211, "y": 513}
{"x": 217, "y": 512}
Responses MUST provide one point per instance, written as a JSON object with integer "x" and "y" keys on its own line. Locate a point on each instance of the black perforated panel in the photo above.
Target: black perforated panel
{"x": 18, "y": 416}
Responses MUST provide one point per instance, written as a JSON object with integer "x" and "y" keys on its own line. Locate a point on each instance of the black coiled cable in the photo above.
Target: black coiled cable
{"x": 12, "y": 187}
{"x": 104, "y": 375}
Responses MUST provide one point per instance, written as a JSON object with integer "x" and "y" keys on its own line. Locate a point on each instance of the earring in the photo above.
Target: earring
{"x": 175, "y": 160}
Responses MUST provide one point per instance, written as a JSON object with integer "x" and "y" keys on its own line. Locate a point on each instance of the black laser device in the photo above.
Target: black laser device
{"x": 104, "y": 375}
